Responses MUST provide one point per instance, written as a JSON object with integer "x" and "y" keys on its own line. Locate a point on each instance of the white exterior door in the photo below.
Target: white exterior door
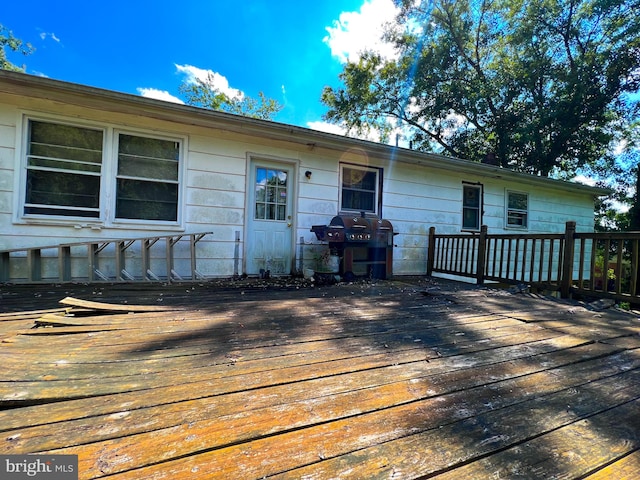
{"x": 268, "y": 245}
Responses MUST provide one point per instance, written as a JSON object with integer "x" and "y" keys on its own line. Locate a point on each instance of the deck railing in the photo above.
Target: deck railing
{"x": 108, "y": 260}
{"x": 592, "y": 264}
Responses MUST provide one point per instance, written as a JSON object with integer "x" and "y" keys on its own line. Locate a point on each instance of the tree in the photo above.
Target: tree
{"x": 7, "y": 40}
{"x": 541, "y": 87}
{"x": 205, "y": 94}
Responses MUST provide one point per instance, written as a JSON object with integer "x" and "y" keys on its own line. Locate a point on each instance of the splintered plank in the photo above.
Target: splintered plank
{"x": 112, "y": 307}
{"x": 32, "y": 314}
{"x": 11, "y": 323}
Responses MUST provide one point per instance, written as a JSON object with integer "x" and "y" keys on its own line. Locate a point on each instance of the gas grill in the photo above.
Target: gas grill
{"x": 363, "y": 242}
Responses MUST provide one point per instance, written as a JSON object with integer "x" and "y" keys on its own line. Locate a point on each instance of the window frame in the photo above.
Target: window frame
{"x": 508, "y": 209}
{"x": 108, "y": 176}
{"x": 116, "y": 176}
{"x": 377, "y": 193}
{"x": 480, "y": 208}
{"x": 24, "y": 178}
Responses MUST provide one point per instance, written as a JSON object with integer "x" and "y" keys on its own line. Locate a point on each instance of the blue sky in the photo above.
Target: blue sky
{"x": 289, "y": 49}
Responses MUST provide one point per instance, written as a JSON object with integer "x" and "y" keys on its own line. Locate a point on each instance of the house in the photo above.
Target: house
{"x": 79, "y": 163}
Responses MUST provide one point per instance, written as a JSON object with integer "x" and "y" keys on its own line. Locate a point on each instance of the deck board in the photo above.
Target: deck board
{"x": 391, "y": 380}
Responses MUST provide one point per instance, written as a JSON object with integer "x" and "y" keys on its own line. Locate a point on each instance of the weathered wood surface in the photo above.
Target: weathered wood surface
{"x": 401, "y": 379}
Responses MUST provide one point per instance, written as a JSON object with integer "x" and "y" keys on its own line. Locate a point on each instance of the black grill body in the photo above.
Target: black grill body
{"x": 363, "y": 242}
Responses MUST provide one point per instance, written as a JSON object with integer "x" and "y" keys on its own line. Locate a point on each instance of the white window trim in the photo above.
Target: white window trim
{"x": 108, "y": 173}
{"x": 376, "y": 201}
{"x": 112, "y": 202}
{"x": 507, "y": 209}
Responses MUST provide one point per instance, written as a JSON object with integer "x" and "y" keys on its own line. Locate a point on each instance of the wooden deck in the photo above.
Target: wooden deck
{"x": 402, "y": 379}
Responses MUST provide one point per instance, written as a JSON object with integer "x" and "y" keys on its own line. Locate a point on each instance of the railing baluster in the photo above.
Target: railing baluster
{"x": 619, "y": 252}
{"x": 501, "y": 256}
{"x": 508, "y": 265}
{"x": 605, "y": 268}
{"x": 524, "y": 259}
{"x": 581, "y": 264}
{"x": 533, "y": 259}
{"x": 633, "y": 283}
{"x": 594, "y": 249}
{"x": 474, "y": 246}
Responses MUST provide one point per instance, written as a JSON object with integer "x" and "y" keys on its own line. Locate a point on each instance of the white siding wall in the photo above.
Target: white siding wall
{"x": 214, "y": 194}
{"x": 7, "y": 159}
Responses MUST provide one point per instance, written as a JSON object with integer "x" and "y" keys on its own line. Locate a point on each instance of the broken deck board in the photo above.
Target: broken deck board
{"x": 112, "y": 307}
{"x": 345, "y": 382}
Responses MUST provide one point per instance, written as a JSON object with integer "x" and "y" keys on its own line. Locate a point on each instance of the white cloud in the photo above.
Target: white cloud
{"x": 372, "y": 136}
{"x": 326, "y": 127}
{"x": 219, "y": 82}
{"x": 159, "y": 95}
{"x": 584, "y": 180}
{"x": 52, "y": 36}
{"x": 355, "y": 32}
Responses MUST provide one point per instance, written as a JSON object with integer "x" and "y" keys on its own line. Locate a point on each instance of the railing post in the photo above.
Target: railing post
{"x": 567, "y": 260}
{"x": 431, "y": 250}
{"x": 482, "y": 255}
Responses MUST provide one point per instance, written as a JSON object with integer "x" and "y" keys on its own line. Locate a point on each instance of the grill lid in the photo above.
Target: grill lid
{"x": 353, "y": 228}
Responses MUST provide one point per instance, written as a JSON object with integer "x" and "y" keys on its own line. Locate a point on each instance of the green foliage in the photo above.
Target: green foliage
{"x": 540, "y": 86}
{"x": 7, "y": 40}
{"x": 204, "y": 94}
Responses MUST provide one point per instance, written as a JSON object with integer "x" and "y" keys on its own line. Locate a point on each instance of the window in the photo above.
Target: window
{"x": 517, "y": 209}
{"x": 64, "y": 166}
{"x": 75, "y": 171}
{"x": 360, "y": 189}
{"x": 471, "y": 207}
{"x": 271, "y": 194}
{"x": 147, "y": 179}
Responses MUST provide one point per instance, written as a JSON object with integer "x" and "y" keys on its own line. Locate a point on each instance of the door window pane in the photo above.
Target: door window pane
{"x": 271, "y": 194}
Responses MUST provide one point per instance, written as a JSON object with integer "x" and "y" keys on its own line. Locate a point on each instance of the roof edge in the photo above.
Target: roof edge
{"x": 161, "y": 109}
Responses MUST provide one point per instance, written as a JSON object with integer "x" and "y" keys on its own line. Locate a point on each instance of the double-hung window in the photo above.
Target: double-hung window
{"x": 147, "y": 178}
{"x": 85, "y": 172}
{"x": 360, "y": 189}
{"x": 471, "y": 207}
{"x": 64, "y": 168}
{"x": 517, "y": 210}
